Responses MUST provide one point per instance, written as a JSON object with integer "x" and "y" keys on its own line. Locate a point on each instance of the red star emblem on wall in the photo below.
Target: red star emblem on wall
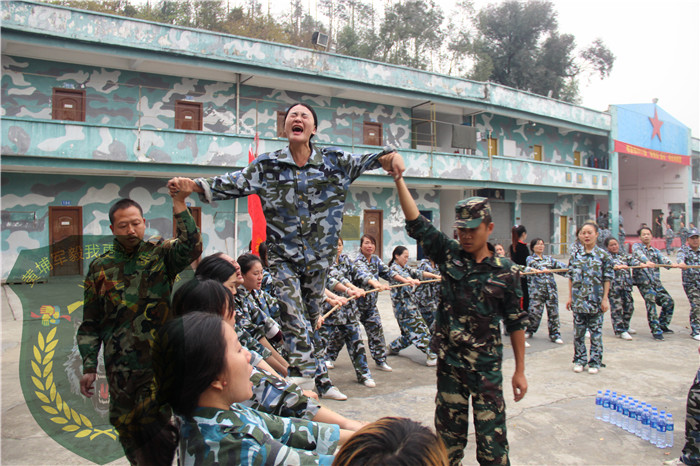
{"x": 656, "y": 126}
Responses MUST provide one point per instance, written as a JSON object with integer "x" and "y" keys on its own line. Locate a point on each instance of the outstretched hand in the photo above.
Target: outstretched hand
{"x": 393, "y": 164}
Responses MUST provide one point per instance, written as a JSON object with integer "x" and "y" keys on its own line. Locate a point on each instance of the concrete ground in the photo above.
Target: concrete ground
{"x": 553, "y": 424}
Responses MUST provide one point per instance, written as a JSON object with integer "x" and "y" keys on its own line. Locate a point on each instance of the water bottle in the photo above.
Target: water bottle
{"x": 606, "y": 406}
{"x": 646, "y": 421}
{"x": 638, "y": 410}
{"x": 620, "y": 409}
{"x": 631, "y": 417}
{"x": 599, "y": 405}
{"x": 653, "y": 426}
{"x": 624, "y": 421}
{"x": 669, "y": 430}
{"x": 661, "y": 430}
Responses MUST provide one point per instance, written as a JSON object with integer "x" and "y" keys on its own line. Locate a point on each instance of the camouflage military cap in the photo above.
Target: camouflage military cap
{"x": 693, "y": 232}
{"x": 469, "y": 213}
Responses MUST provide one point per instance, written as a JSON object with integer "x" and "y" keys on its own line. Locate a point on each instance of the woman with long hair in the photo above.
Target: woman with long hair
{"x": 519, "y": 254}
{"x": 203, "y": 372}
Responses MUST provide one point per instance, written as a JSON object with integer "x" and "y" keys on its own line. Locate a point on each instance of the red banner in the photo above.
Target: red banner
{"x": 624, "y": 148}
{"x": 255, "y": 211}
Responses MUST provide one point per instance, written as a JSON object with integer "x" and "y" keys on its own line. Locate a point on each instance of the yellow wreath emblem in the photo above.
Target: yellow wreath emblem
{"x": 42, "y": 366}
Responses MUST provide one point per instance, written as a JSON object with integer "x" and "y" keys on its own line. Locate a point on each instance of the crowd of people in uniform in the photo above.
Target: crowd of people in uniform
{"x": 241, "y": 353}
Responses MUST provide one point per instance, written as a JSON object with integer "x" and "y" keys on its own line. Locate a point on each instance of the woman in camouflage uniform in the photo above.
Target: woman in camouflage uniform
{"x": 543, "y": 291}
{"x": 590, "y": 274}
{"x": 342, "y": 327}
{"x": 215, "y": 428}
{"x": 621, "y": 301}
{"x": 413, "y": 328}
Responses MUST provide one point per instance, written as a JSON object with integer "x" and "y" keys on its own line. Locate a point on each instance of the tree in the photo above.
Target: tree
{"x": 519, "y": 45}
{"x": 411, "y": 32}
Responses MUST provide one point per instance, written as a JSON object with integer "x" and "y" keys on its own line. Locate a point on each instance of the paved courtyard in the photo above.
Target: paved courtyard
{"x": 553, "y": 424}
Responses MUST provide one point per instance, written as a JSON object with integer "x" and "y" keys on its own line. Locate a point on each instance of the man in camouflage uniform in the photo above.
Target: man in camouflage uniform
{"x": 127, "y": 293}
{"x": 649, "y": 283}
{"x": 689, "y": 254}
{"x": 478, "y": 291}
{"x": 302, "y": 190}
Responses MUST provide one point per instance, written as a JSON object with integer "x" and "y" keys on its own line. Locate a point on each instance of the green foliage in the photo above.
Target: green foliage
{"x": 519, "y": 45}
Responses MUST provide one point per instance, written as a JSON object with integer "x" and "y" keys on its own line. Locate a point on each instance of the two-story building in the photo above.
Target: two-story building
{"x": 98, "y": 107}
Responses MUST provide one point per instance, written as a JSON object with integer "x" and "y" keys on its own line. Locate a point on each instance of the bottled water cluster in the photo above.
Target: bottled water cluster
{"x": 636, "y": 417}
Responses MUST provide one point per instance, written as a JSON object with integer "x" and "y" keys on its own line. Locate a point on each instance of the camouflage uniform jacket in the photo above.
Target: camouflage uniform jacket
{"x": 248, "y": 333}
{"x": 258, "y": 307}
{"x": 402, "y": 293}
{"x": 588, "y": 272}
{"x": 691, "y": 277}
{"x": 375, "y": 268}
{"x": 303, "y": 206}
{"x": 543, "y": 284}
{"x": 127, "y": 297}
{"x": 268, "y": 284}
{"x": 644, "y": 255}
{"x": 344, "y": 271}
{"x": 622, "y": 278}
{"x": 243, "y": 436}
{"x": 475, "y": 298}
{"x": 427, "y": 293}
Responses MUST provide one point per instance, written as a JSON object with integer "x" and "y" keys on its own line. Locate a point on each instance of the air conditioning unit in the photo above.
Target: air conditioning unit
{"x": 320, "y": 39}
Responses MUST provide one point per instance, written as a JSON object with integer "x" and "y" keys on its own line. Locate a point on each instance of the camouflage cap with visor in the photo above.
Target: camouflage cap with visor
{"x": 469, "y": 213}
{"x": 693, "y": 232}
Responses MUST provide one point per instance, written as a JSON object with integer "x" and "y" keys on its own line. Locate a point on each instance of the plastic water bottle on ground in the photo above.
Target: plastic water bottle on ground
{"x": 653, "y": 426}
{"x": 661, "y": 430}
{"x": 646, "y": 421}
{"x": 669, "y": 430}
{"x": 625, "y": 421}
{"x": 599, "y": 405}
{"x": 606, "y": 406}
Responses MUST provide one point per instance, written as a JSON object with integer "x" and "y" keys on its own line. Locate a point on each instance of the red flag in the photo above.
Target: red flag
{"x": 255, "y": 211}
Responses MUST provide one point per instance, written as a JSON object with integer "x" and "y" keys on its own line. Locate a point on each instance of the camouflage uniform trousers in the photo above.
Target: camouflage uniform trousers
{"x": 276, "y": 396}
{"x": 594, "y": 323}
{"x": 427, "y": 312}
{"x": 538, "y": 303}
{"x": 349, "y": 335}
{"x": 146, "y": 428}
{"x": 299, "y": 297}
{"x": 414, "y": 331}
{"x": 321, "y": 377}
{"x": 657, "y": 295}
{"x": 621, "y": 309}
{"x": 691, "y": 449}
{"x": 692, "y": 291}
{"x": 369, "y": 316}
{"x": 455, "y": 386}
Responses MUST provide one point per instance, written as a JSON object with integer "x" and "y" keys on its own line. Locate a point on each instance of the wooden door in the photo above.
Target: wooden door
{"x": 65, "y": 234}
{"x": 538, "y": 152}
{"x": 68, "y": 104}
{"x": 493, "y": 146}
{"x": 563, "y": 234}
{"x": 372, "y": 225}
{"x": 188, "y": 115}
{"x": 577, "y": 158}
{"x": 372, "y": 133}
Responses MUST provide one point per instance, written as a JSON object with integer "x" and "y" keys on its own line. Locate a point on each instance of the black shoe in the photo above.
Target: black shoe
{"x": 659, "y": 336}
{"x": 666, "y": 329}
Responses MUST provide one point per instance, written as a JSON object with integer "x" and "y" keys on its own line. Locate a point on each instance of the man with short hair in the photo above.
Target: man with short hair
{"x": 478, "y": 291}
{"x": 689, "y": 254}
{"x": 127, "y": 295}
